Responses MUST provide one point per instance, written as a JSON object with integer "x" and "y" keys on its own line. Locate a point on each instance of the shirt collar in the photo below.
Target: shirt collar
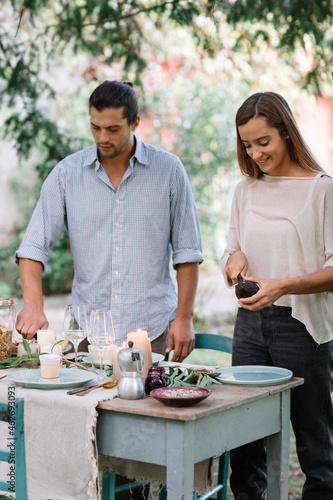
{"x": 91, "y": 157}
{"x": 139, "y": 154}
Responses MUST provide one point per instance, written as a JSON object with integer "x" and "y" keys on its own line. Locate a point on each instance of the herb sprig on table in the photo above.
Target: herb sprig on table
{"x": 177, "y": 377}
{"x": 27, "y": 359}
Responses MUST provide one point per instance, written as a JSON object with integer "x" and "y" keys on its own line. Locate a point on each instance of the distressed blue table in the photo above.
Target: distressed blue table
{"x": 177, "y": 438}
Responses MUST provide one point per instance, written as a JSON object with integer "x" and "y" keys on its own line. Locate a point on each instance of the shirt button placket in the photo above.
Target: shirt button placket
{"x": 116, "y": 254}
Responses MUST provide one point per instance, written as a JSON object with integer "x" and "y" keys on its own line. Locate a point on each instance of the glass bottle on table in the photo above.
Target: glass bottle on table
{"x": 101, "y": 335}
{"x": 75, "y": 325}
{"x": 7, "y": 322}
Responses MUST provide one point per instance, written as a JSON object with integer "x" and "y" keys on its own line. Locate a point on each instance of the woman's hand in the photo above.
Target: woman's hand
{"x": 236, "y": 264}
{"x": 270, "y": 291}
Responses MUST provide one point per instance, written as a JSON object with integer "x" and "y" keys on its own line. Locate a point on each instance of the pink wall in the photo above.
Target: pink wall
{"x": 317, "y": 128}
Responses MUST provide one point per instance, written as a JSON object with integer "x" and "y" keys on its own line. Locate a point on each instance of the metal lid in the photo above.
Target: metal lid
{"x": 6, "y": 302}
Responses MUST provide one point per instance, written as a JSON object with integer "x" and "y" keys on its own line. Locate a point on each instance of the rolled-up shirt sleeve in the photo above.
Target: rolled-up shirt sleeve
{"x": 47, "y": 221}
{"x": 185, "y": 229}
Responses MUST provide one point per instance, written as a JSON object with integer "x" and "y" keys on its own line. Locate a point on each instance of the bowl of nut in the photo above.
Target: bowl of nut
{"x": 180, "y": 396}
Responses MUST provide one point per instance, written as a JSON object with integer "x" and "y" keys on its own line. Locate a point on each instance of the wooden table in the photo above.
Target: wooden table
{"x": 148, "y": 431}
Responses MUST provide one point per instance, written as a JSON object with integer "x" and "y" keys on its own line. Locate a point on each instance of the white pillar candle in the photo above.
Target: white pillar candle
{"x": 45, "y": 337}
{"x": 141, "y": 341}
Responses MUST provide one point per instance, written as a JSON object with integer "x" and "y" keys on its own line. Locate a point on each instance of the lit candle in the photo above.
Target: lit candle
{"x": 141, "y": 341}
{"x": 116, "y": 369}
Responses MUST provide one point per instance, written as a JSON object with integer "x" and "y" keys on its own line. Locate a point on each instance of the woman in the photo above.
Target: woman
{"x": 281, "y": 237}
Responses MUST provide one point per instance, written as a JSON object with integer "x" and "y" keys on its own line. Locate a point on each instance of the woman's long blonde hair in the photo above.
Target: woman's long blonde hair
{"x": 276, "y": 110}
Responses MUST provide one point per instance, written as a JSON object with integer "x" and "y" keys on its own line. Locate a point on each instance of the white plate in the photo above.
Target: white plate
{"x": 156, "y": 357}
{"x": 67, "y": 378}
{"x": 254, "y": 375}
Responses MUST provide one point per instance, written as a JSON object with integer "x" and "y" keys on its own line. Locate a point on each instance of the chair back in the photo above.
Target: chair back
{"x": 213, "y": 341}
{"x": 13, "y": 413}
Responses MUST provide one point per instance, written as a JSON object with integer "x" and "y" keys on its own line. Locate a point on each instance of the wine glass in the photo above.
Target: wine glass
{"x": 101, "y": 334}
{"x": 75, "y": 325}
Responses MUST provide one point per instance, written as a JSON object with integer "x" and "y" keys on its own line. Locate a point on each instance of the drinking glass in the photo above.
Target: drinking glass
{"x": 101, "y": 334}
{"x": 75, "y": 325}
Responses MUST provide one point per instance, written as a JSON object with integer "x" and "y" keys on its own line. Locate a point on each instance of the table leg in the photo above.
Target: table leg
{"x": 180, "y": 464}
{"x": 278, "y": 454}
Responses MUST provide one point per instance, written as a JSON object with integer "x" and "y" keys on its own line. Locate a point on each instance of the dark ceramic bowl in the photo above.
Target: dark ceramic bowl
{"x": 180, "y": 396}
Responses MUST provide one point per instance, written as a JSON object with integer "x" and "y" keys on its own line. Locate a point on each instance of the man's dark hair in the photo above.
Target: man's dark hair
{"x": 114, "y": 94}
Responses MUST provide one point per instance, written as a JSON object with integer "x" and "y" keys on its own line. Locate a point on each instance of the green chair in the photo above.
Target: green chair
{"x": 223, "y": 344}
{"x": 109, "y": 488}
{"x": 15, "y": 453}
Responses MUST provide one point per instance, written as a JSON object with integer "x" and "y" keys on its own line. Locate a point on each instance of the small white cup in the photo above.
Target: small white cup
{"x": 50, "y": 365}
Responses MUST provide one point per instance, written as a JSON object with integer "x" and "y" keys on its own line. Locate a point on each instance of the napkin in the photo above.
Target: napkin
{"x": 60, "y": 441}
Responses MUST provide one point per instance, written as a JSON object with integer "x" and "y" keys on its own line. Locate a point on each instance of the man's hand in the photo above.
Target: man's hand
{"x": 32, "y": 317}
{"x": 180, "y": 338}
{"x": 181, "y": 333}
{"x": 29, "y": 320}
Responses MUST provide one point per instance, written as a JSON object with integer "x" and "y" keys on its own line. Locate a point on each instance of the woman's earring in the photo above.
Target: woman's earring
{"x": 287, "y": 137}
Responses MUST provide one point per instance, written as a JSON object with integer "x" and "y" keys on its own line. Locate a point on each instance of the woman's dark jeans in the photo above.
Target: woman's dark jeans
{"x": 273, "y": 337}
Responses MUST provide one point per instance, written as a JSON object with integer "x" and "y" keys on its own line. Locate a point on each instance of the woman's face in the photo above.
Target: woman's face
{"x": 266, "y": 147}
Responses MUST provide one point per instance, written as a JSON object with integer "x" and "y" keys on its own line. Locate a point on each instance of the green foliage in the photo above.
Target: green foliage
{"x": 52, "y": 52}
{"x": 297, "y": 24}
{"x": 9, "y": 271}
{"x": 58, "y": 274}
{"x": 200, "y": 114}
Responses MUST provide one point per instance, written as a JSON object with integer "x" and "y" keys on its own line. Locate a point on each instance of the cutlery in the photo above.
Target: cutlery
{"x": 74, "y": 391}
{"x": 110, "y": 384}
{"x": 107, "y": 385}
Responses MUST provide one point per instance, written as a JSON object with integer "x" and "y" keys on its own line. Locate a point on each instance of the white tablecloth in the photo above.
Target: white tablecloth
{"x": 61, "y": 452}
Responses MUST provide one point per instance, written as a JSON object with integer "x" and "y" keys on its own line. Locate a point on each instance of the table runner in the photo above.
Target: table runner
{"x": 61, "y": 451}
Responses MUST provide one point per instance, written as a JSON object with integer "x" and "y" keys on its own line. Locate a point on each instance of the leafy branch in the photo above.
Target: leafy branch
{"x": 178, "y": 377}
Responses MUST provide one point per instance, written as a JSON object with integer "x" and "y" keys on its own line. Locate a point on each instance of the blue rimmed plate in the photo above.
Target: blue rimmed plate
{"x": 32, "y": 379}
{"x": 254, "y": 375}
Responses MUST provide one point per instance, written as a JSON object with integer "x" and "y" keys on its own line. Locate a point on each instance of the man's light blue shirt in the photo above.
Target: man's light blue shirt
{"x": 121, "y": 240}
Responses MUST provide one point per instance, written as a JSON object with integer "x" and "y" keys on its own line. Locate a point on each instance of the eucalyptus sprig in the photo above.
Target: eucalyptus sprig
{"x": 19, "y": 360}
{"x": 191, "y": 378}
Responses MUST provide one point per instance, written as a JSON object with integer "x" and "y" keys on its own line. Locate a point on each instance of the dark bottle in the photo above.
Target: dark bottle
{"x": 245, "y": 289}
{"x": 155, "y": 378}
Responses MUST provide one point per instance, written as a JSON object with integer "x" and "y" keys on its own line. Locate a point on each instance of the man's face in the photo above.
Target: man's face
{"x": 112, "y": 133}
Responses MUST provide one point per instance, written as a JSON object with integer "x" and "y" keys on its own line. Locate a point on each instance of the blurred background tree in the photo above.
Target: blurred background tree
{"x": 192, "y": 62}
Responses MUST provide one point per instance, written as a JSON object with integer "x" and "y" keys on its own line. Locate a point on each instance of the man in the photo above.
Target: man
{"x": 127, "y": 205}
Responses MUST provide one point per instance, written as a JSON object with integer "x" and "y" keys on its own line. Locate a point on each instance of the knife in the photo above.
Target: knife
{"x": 74, "y": 391}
